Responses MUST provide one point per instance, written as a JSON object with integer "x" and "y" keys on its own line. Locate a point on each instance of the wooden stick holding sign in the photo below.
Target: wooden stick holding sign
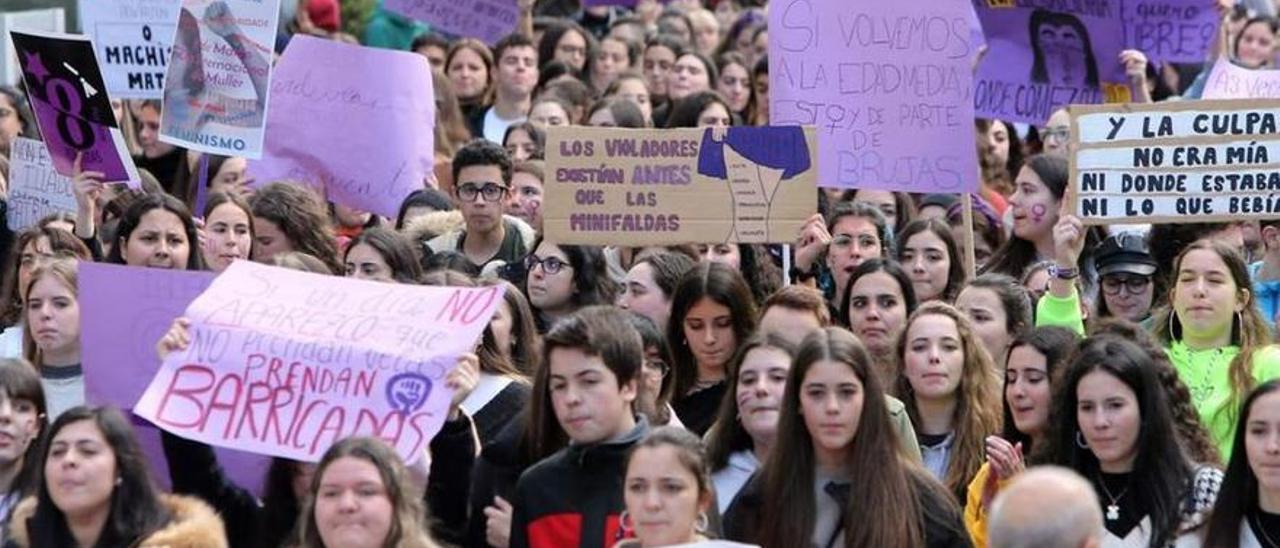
{"x": 1189, "y": 162}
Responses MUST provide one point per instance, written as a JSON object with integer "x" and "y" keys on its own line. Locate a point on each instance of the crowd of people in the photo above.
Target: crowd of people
{"x": 1061, "y": 385}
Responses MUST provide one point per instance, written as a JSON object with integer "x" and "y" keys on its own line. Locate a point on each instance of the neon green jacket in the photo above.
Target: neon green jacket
{"x": 1205, "y": 372}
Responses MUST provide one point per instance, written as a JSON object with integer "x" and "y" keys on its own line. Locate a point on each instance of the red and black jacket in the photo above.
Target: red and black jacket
{"x": 574, "y": 497}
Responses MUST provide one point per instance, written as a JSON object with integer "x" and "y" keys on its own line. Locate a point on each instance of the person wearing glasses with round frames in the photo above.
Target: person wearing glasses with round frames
{"x": 482, "y": 175}
{"x": 1127, "y": 274}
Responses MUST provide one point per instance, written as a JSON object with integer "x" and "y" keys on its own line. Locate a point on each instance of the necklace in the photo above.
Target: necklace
{"x": 1262, "y": 531}
{"x": 1113, "y": 509}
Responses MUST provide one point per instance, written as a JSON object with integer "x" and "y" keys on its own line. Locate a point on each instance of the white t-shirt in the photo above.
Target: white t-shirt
{"x": 495, "y": 128}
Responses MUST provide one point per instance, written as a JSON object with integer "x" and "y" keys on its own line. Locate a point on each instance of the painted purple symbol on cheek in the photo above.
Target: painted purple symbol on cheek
{"x": 1037, "y": 212}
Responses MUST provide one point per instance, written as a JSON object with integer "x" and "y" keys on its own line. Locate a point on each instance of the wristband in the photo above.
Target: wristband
{"x": 1062, "y": 273}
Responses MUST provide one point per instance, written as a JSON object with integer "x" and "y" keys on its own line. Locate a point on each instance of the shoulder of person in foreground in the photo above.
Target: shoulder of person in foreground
{"x": 192, "y": 524}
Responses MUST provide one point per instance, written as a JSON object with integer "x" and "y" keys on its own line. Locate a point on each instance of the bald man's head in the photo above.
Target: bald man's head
{"x": 1046, "y": 507}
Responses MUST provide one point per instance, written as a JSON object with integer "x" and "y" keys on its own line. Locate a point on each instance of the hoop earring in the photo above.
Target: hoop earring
{"x": 1080, "y": 441}
{"x": 623, "y": 524}
{"x": 700, "y": 525}
{"x": 1172, "y": 316}
{"x": 1240, "y": 324}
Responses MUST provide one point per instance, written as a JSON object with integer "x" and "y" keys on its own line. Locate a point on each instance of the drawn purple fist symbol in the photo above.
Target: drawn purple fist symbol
{"x": 407, "y": 392}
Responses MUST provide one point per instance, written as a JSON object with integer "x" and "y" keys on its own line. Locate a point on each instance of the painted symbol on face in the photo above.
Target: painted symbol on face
{"x": 407, "y": 392}
{"x": 1037, "y": 212}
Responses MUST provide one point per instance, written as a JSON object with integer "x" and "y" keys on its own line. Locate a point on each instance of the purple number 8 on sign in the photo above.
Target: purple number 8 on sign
{"x": 407, "y": 392}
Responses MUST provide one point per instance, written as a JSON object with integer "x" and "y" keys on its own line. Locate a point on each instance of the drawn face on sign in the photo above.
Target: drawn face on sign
{"x": 1063, "y": 49}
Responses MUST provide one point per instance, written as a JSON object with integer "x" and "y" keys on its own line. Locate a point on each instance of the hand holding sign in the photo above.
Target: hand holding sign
{"x": 462, "y": 380}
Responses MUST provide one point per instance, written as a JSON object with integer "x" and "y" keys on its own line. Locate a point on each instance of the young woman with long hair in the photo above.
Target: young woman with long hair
{"x": 157, "y": 232}
{"x": 29, "y": 248}
{"x": 96, "y": 491}
{"x": 712, "y": 312}
{"x": 228, "y": 222}
{"x": 830, "y": 248}
{"x": 383, "y": 255}
{"x": 1035, "y": 202}
{"x": 289, "y": 217}
{"x": 23, "y": 419}
{"x": 564, "y": 278}
{"x": 747, "y": 422}
{"x": 1210, "y": 328}
{"x": 836, "y": 475}
{"x": 1034, "y": 358}
{"x": 948, "y": 383}
{"x": 1112, "y": 423}
{"x": 1248, "y": 509}
{"x": 876, "y": 306}
{"x": 52, "y": 332}
{"x": 932, "y": 258}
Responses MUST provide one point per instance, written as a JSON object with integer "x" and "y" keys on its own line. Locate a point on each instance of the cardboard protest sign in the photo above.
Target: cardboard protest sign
{"x": 48, "y": 20}
{"x": 133, "y": 38}
{"x": 1170, "y": 31}
{"x": 1040, "y": 60}
{"x": 1183, "y": 162}
{"x": 893, "y": 112}
{"x": 488, "y": 20}
{"x": 215, "y": 92}
{"x": 285, "y": 363}
{"x": 124, "y": 311}
{"x": 352, "y": 120}
{"x": 1228, "y": 81}
{"x": 35, "y": 188}
{"x": 659, "y": 187}
{"x": 71, "y": 107}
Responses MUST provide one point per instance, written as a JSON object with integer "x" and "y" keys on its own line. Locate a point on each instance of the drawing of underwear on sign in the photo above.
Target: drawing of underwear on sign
{"x": 755, "y": 163}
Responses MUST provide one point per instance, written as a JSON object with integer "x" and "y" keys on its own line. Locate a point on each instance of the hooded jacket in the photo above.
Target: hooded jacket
{"x": 574, "y": 497}
{"x": 192, "y": 525}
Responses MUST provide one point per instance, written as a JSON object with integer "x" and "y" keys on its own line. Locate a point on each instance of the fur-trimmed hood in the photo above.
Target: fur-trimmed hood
{"x": 427, "y": 227}
{"x": 193, "y": 525}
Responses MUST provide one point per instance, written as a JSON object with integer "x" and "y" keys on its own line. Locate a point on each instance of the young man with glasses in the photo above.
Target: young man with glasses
{"x": 482, "y": 175}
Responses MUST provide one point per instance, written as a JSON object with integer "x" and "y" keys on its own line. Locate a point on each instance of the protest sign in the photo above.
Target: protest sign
{"x": 488, "y": 20}
{"x": 675, "y": 186}
{"x": 35, "y": 188}
{"x": 1183, "y": 162}
{"x": 1228, "y": 81}
{"x": 215, "y": 92}
{"x": 1170, "y": 31}
{"x": 124, "y": 311}
{"x": 133, "y": 38}
{"x": 1040, "y": 60}
{"x": 73, "y": 112}
{"x": 888, "y": 86}
{"x": 48, "y": 20}
{"x": 354, "y": 121}
{"x": 285, "y": 363}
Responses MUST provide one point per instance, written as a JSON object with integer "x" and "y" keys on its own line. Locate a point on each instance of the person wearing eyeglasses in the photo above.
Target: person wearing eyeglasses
{"x": 1056, "y": 132}
{"x": 560, "y": 279}
{"x": 482, "y": 175}
{"x": 1127, "y": 272}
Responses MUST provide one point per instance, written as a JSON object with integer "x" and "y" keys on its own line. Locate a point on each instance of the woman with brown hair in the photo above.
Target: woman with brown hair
{"x": 836, "y": 475}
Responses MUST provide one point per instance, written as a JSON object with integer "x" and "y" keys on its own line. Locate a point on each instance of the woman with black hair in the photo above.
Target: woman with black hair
{"x": 712, "y": 313}
{"x": 1112, "y": 423}
{"x": 563, "y": 278}
{"x": 97, "y": 491}
{"x": 1247, "y": 513}
{"x": 382, "y": 255}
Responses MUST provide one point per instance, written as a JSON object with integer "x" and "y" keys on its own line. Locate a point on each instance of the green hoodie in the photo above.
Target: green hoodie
{"x": 1205, "y": 372}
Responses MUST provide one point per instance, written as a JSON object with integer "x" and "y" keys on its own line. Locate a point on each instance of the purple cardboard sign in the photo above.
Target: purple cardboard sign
{"x": 1170, "y": 31}
{"x": 71, "y": 107}
{"x": 1039, "y": 60}
{"x": 352, "y": 120}
{"x": 124, "y": 312}
{"x": 488, "y": 20}
{"x": 888, "y": 86}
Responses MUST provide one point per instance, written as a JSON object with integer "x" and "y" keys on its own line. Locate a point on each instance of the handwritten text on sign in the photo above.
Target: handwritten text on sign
{"x": 660, "y": 187}
{"x": 488, "y": 20}
{"x": 1187, "y": 162}
{"x": 888, "y": 86}
{"x": 285, "y": 363}
{"x": 35, "y": 188}
{"x": 133, "y": 40}
{"x": 1228, "y": 81}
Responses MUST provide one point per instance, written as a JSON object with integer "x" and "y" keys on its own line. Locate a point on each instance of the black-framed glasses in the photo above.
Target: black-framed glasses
{"x": 1135, "y": 285}
{"x": 491, "y": 192}
{"x": 550, "y": 265}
